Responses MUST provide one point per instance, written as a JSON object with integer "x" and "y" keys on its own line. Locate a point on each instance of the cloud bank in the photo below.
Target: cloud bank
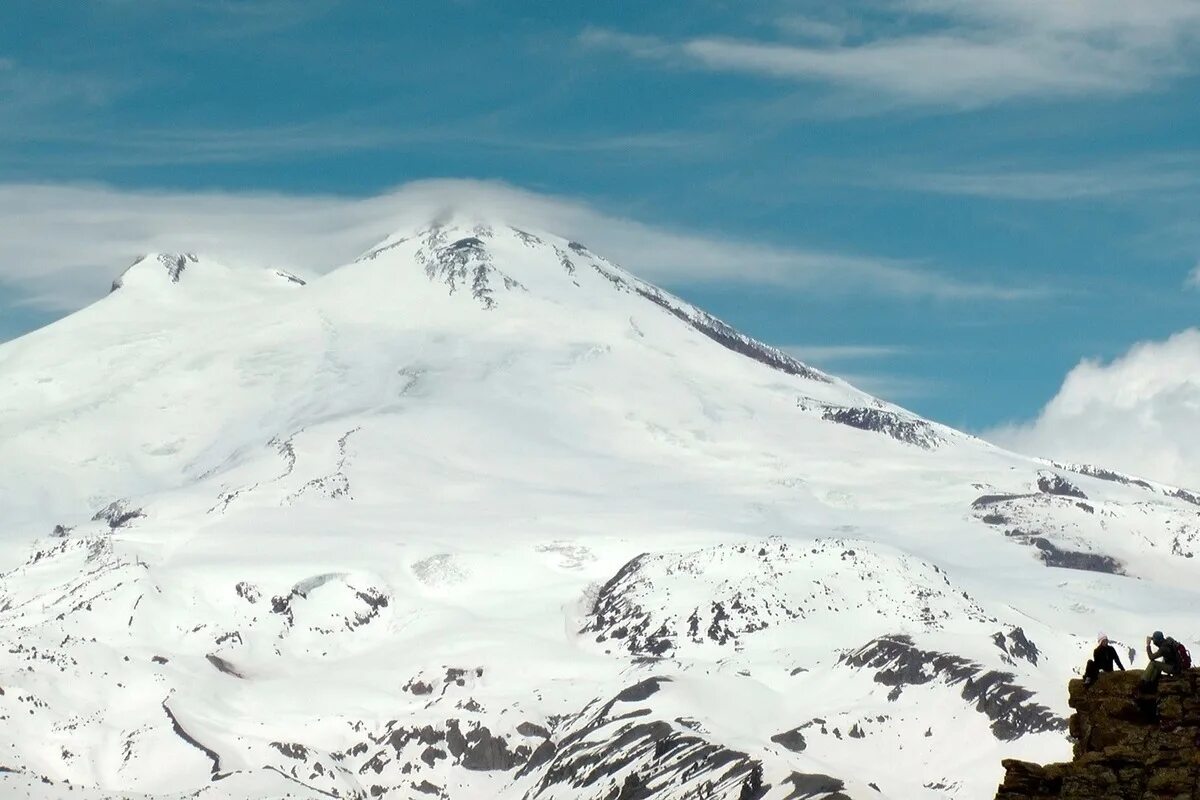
{"x": 61, "y": 245}
{"x": 1139, "y": 414}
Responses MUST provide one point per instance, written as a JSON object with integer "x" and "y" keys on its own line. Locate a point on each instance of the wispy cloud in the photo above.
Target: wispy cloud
{"x": 1113, "y": 180}
{"x": 947, "y": 52}
{"x": 1193, "y": 279}
{"x": 831, "y": 353}
{"x": 134, "y": 145}
{"x": 60, "y": 245}
{"x": 870, "y": 367}
{"x": 893, "y": 387}
{"x": 25, "y": 90}
{"x": 230, "y": 19}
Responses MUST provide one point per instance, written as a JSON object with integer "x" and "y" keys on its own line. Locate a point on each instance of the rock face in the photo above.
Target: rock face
{"x": 1126, "y": 746}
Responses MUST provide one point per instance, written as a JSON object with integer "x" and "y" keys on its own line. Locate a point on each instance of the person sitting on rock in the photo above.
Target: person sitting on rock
{"x": 1102, "y": 660}
{"x": 1164, "y": 660}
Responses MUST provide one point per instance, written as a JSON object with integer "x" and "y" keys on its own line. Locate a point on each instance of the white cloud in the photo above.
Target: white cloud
{"x": 1139, "y": 414}
{"x": 60, "y": 245}
{"x": 1193, "y": 278}
{"x": 961, "y": 53}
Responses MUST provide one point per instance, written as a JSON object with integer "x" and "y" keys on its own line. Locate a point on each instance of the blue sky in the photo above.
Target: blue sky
{"x": 956, "y": 202}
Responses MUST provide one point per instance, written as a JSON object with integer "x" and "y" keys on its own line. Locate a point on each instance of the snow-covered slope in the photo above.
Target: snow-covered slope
{"x": 483, "y": 515}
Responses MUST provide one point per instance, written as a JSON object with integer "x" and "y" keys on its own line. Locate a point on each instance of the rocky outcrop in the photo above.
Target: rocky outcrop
{"x": 667, "y": 604}
{"x": 118, "y": 514}
{"x": 908, "y": 430}
{"x": 1052, "y": 483}
{"x": 464, "y": 263}
{"x": 898, "y": 663}
{"x": 1126, "y": 745}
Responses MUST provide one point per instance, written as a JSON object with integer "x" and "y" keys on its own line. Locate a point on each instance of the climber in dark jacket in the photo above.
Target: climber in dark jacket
{"x": 1102, "y": 660}
{"x": 1163, "y": 660}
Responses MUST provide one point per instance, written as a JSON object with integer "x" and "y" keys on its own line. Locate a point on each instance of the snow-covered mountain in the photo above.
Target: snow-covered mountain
{"x": 483, "y": 515}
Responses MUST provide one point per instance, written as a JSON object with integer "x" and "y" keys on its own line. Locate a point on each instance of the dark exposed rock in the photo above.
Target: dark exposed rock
{"x": 567, "y": 264}
{"x": 814, "y": 786}
{"x": 1029, "y": 521}
{"x": 431, "y": 754}
{"x": 533, "y": 731}
{"x": 1104, "y": 474}
{"x": 291, "y": 750}
{"x": 610, "y": 609}
{"x": 287, "y": 276}
{"x": 633, "y": 788}
{"x": 793, "y": 740}
{"x": 176, "y": 263}
{"x": 1128, "y": 480}
{"x": 703, "y": 322}
{"x": 621, "y": 744}
{"x": 641, "y": 691}
{"x": 480, "y": 750}
{"x": 375, "y": 600}
{"x": 1127, "y": 745}
{"x": 727, "y": 336}
{"x": 248, "y": 592}
{"x": 118, "y": 514}
{"x": 899, "y": 663}
{"x": 633, "y": 611}
{"x": 187, "y": 737}
{"x": 1052, "y": 556}
{"x": 60, "y": 531}
{"x": 223, "y": 665}
{"x": 540, "y": 755}
{"x": 1017, "y": 645}
{"x": 528, "y": 239}
{"x": 464, "y": 262}
{"x": 467, "y": 745}
{"x": 908, "y": 430}
{"x": 282, "y": 604}
{"x": 752, "y": 785}
{"x": 986, "y": 500}
{"x": 1186, "y": 496}
{"x": 1051, "y": 483}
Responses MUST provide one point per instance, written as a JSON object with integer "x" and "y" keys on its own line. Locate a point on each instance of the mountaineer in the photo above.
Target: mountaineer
{"x": 1171, "y": 658}
{"x": 1102, "y": 660}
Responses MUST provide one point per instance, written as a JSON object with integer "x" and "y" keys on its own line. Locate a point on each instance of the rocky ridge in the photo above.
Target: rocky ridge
{"x": 1126, "y": 746}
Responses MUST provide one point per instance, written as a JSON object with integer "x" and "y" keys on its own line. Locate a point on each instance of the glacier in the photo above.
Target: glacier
{"x": 483, "y": 515}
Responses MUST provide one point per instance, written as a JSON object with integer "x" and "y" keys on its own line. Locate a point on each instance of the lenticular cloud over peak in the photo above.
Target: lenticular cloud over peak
{"x": 58, "y": 244}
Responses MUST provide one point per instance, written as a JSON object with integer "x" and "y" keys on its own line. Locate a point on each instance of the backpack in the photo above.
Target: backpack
{"x": 1184, "y": 657}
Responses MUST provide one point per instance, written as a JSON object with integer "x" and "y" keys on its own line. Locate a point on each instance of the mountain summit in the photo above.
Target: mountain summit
{"x": 481, "y": 514}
